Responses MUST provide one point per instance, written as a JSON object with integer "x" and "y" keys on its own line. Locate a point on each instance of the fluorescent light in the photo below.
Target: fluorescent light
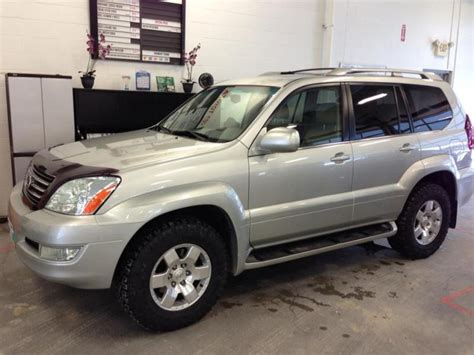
{"x": 372, "y": 98}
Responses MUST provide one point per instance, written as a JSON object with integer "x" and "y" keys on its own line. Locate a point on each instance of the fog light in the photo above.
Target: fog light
{"x": 58, "y": 254}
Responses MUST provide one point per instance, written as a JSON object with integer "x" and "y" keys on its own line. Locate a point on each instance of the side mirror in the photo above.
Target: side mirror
{"x": 280, "y": 140}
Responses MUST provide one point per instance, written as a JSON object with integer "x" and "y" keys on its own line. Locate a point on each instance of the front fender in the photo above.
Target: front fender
{"x": 144, "y": 208}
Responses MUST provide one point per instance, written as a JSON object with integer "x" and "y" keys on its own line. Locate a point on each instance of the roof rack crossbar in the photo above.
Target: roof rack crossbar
{"x": 305, "y": 70}
{"x": 393, "y": 72}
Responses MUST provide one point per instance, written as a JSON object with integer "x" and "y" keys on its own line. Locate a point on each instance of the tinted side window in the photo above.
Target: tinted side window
{"x": 375, "y": 111}
{"x": 315, "y": 113}
{"x": 429, "y": 107}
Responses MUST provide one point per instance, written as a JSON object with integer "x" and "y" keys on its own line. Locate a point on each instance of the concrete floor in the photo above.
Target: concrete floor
{"x": 358, "y": 300}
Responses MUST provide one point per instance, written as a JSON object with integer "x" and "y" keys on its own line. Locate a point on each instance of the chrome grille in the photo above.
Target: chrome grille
{"x": 36, "y": 183}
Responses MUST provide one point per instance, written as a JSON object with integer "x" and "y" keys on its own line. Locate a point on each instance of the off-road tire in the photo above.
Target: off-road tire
{"x": 132, "y": 281}
{"x": 404, "y": 241}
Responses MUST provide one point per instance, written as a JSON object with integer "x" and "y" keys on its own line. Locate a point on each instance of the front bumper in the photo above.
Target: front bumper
{"x": 102, "y": 244}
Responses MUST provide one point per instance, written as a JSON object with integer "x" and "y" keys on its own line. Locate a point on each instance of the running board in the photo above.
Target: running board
{"x": 317, "y": 245}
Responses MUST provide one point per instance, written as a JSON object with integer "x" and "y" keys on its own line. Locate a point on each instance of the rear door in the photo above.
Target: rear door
{"x": 384, "y": 148}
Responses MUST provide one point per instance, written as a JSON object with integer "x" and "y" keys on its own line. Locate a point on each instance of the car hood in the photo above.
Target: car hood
{"x": 132, "y": 149}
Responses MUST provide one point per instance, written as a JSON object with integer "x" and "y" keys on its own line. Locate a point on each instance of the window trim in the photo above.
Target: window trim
{"x": 407, "y": 108}
{"x": 345, "y": 136}
{"x": 350, "y": 103}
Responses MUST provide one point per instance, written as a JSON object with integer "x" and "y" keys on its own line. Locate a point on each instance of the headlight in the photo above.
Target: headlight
{"x": 82, "y": 196}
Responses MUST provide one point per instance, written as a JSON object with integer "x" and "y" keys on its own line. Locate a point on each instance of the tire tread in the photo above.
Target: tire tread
{"x": 150, "y": 233}
{"x": 404, "y": 241}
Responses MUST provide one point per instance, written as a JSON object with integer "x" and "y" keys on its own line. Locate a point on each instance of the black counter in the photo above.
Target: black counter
{"x": 114, "y": 111}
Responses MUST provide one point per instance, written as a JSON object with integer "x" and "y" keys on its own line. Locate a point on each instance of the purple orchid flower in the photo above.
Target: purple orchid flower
{"x": 96, "y": 51}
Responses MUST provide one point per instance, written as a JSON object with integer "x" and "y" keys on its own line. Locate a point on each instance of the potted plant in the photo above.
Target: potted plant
{"x": 190, "y": 62}
{"x": 96, "y": 51}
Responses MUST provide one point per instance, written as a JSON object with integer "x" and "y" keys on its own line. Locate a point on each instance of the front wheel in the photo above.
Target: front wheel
{"x": 423, "y": 223}
{"x": 172, "y": 275}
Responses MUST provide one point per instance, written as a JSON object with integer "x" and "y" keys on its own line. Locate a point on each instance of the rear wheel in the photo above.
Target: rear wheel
{"x": 173, "y": 274}
{"x": 423, "y": 223}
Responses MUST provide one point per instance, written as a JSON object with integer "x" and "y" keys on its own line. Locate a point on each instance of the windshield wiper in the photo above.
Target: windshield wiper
{"x": 192, "y": 134}
{"x": 162, "y": 129}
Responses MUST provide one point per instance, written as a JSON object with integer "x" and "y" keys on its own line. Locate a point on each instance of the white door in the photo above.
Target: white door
{"x": 58, "y": 111}
{"x": 26, "y": 114}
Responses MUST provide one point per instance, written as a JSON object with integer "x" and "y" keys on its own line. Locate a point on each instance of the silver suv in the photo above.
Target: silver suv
{"x": 246, "y": 174}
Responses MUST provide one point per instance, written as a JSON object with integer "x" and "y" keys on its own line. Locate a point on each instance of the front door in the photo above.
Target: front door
{"x": 299, "y": 194}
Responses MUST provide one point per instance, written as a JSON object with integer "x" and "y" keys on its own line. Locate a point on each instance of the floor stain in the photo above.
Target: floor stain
{"x": 399, "y": 263}
{"x": 346, "y": 336}
{"x": 323, "y": 328}
{"x": 326, "y": 287}
{"x": 383, "y": 262}
{"x": 229, "y": 305}
{"x": 19, "y": 309}
{"x": 289, "y": 294}
{"x": 367, "y": 268}
{"x": 292, "y": 303}
{"x": 392, "y": 294}
{"x": 273, "y": 310}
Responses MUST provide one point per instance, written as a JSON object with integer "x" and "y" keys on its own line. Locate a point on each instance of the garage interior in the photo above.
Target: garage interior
{"x": 361, "y": 299}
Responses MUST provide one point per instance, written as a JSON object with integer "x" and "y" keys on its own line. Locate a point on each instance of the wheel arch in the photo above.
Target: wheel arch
{"x": 214, "y": 203}
{"x": 447, "y": 180}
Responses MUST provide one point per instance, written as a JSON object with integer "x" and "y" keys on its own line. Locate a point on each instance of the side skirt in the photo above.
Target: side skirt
{"x": 295, "y": 250}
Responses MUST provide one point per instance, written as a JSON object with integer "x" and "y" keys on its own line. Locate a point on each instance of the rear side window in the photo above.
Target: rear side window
{"x": 429, "y": 107}
{"x": 375, "y": 111}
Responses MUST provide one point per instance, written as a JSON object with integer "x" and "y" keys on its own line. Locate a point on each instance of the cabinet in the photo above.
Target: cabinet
{"x": 40, "y": 114}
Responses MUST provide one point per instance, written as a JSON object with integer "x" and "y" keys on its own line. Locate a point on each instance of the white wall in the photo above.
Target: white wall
{"x": 238, "y": 38}
{"x": 464, "y": 60}
{"x": 368, "y": 33}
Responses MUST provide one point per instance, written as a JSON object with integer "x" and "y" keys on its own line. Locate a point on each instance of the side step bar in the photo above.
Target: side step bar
{"x": 317, "y": 245}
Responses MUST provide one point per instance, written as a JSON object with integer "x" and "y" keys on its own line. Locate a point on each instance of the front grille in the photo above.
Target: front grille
{"x": 36, "y": 183}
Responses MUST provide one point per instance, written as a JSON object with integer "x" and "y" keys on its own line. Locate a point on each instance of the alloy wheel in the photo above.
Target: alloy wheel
{"x": 428, "y": 222}
{"x": 180, "y": 277}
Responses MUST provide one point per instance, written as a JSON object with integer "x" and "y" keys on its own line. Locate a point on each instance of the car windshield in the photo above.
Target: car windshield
{"x": 219, "y": 114}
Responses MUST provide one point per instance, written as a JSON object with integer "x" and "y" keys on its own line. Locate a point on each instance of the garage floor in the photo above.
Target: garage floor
{"x": 357, "y": 300}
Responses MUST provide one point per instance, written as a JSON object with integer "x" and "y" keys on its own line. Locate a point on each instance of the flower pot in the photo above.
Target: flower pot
{"x": 188, "y": 86}
{"x": 87, "y": 81}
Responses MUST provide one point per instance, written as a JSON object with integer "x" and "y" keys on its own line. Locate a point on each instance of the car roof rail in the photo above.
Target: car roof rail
{"x": 306, "y": 70}
{"x": 392, "y": 72}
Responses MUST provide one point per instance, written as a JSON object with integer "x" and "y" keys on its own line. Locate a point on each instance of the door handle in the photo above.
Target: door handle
{"x": 340, "y": 157}
{"x": 407, "y": 147}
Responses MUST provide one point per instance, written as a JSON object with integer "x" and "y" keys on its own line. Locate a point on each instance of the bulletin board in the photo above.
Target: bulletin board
{"x": 151, "y": 31}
